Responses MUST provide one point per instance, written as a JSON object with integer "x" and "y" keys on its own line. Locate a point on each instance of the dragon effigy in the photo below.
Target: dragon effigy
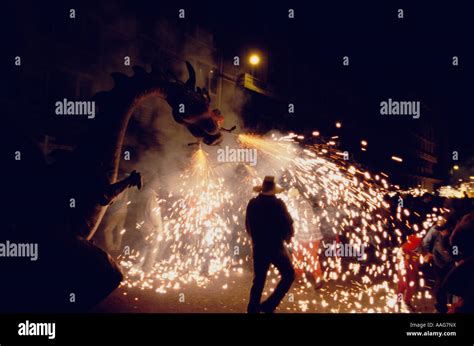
{"x": 71, "y": 195}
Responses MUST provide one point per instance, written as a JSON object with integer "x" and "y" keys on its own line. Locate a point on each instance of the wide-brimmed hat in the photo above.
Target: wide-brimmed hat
{"x": 268, "y": 187}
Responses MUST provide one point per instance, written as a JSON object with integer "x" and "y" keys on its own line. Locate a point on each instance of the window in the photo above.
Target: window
{"x": 214, "y": 81}
{"x": 207, "y": 77}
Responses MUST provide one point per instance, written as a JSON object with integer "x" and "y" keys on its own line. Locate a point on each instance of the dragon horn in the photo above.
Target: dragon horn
{"x": 191, "y": 82}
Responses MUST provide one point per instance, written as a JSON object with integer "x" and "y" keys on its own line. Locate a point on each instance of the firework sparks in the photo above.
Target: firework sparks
{"x": 203, "y": 224}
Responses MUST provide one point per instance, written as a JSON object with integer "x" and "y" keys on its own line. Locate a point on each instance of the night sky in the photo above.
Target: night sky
{"x": 406, "y": 59}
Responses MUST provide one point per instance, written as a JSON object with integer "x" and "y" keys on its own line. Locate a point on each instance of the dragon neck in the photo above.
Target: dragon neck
{"x": 116, "y": 107}
{"x": 115, "y": 152}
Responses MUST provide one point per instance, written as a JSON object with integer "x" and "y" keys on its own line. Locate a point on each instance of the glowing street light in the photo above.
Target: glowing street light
{"x": 363, "y": 143}
{"x": 338, "y": 125}
{"x": 396, "y": 158}
{"x": 254, "y": 59}
{"x": 456, "y": 167}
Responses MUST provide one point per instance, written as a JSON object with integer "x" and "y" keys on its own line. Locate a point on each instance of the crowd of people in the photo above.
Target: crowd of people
{"x": 444, "y": 254}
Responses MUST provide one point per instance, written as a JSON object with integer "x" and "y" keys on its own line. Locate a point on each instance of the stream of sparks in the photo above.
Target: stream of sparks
{"x": 203, "y": 236}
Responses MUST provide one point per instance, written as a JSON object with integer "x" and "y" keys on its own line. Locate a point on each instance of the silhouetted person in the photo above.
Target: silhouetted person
{"x": 460, "y": 280}
{"x": 269, "y": 225}
{"x": 436, "y": 244}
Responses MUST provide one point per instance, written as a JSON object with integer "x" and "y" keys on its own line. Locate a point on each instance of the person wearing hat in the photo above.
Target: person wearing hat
{"x": 269, "y": 224}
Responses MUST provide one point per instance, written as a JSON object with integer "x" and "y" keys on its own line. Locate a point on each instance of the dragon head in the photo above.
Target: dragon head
{"x": 191, "y": 107}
